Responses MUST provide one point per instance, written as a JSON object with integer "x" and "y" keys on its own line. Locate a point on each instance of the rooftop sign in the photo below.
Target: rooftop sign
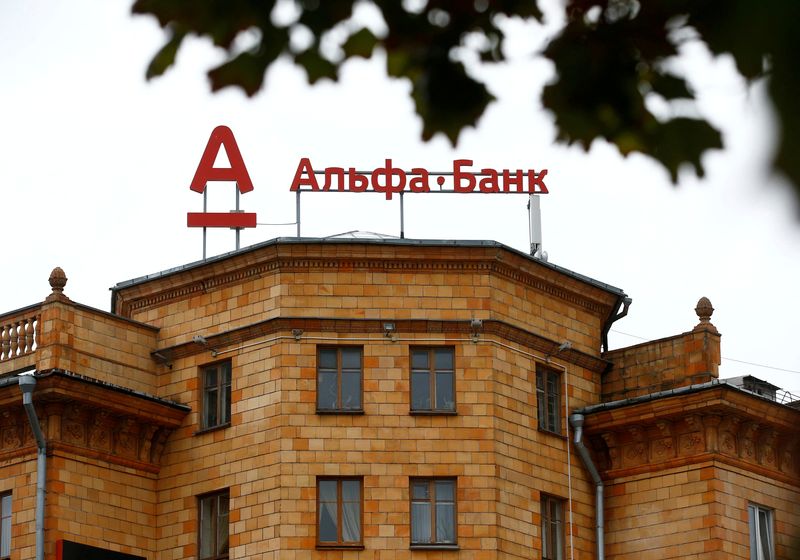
{"x": 393, "y": 180}
{"x": 222, "y": 136}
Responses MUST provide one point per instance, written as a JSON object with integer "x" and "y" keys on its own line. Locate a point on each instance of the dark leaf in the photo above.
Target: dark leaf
{"x": 669, "y": 86}
{"x": 245, "y": 71}
{"x": 316, "y": 66}
{"x": 448, "y": 99}
{"x": 166, "y": 56}
{"x": 683, "y": 140}
{"x": 360, "y": 43}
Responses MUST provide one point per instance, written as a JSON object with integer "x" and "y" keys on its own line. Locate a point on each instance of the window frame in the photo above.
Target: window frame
{"x": 5, "y": 537}
{"x": 432, "y": 371}
{"x": 543, "y": 399}
{"x": 216, "y": 496}
{"x": 340, "y": 543}
{"x": 339, "y": 367}
{"x": 552, "y": 530}
{"x": 432, "y": 501}
{"x": 754, "y": 512}
{"x": 219, "y": 367}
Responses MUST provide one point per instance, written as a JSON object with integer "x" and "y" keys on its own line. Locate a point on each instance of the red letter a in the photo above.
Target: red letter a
{"x": 206, "y": 171}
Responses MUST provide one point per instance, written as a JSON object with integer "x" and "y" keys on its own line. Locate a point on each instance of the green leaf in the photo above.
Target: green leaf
{"x": 669, "y": 86}
{"x": 316, "y": 66}
{"x": 448, "y": 100}
{"x": 165, "y": 57}
{"x": 245, "y": 71}
{"x": 684, "y": 140}
{"x": 360, "y": 43}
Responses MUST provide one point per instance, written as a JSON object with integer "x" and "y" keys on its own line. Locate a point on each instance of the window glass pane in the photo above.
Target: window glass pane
{"x": 444, "y": 391}
{"x": 351, "y": 490}
{"x": 206, "y": 527}
{"x": 6, "y": 505}
{"x": 5, "y": 541}
{"x": 210, "y": 408}
{"x": 327, "y": 491}
{"x": 327, "y": 521}
{"x": 226, "y": 373}
{"x": 327, "y": 358}
{"x": 444, "y": 491}
{"x": 421, "y": 522}
{"x": 751, "y": 514}
{"x": 419, "y": 359}
{"x": 351, "y": 358}
{"x": 420, "y": 490}
{"x": 327, "y": 390}
{"x": 764, "y": 534}
{"x": 211, "y": 377}
{"x": 445, "y": 523}
{"x": 351, "y": 389}
{"x": 444, "y": 358}
{"x": 420, "y": 391}
{"x": 351, "y": 521}
{"x": 225, "y": 405}
{"x": 222, "y": 524}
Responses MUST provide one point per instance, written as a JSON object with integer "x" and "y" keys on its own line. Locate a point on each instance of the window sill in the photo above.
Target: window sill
{"x": 212, "y": 428}
{"x": 559, "y": 435}
{"x": 340, "y": 547}
{"x": 433, "y": 547}
{"x": 353, "y": 411}
{"x": 433, "y": 413}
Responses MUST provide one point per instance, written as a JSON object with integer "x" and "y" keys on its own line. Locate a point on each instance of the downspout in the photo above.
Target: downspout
{"x": 577, "y": 422}
{"x": 27, "y": 384}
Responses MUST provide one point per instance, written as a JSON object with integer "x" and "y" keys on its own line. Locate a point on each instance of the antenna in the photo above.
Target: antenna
{"x": 535, "y": 227}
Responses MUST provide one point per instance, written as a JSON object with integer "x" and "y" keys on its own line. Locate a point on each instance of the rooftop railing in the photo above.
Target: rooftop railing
{"x": 19, "y": 332}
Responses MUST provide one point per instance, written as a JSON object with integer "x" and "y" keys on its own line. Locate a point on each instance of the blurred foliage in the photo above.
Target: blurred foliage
{"x": 610, "y": 57}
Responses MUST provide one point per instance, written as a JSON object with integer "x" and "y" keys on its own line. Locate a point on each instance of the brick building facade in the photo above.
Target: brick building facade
{"x": 387, "y": 400}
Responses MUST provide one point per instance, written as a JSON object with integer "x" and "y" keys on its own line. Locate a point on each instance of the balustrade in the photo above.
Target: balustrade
{"x": 19, "y": 333}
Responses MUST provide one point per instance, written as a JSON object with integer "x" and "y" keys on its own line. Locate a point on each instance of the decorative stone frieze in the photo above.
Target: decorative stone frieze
{"x": 640, "y": 438}
{"x": 87, "y": 418}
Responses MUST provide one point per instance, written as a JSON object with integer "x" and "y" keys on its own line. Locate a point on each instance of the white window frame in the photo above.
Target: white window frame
{"x": 762, "y": 535}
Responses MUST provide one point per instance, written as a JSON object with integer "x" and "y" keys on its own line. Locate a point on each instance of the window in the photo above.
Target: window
{"x": 5, "y": 525}
{"x": 214, "y": 526}
{"x": 548, "y": 400}
{"x": 762, "y": 546}
{"x": 216, "y": 381}
{"x": 433, "y": 512}
{"x": 552, "y": 528}
{"x": 339, "y": 512}
{"x": 432, "y": 380}
{"x": 339, "y": 379}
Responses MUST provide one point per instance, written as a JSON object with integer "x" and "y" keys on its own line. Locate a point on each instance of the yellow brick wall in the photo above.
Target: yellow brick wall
{"x": 99, "y": 504}
{"x": 696, "y": 512}
{"x": 686, "y": 359}
{"x": 277, "y": 446}
{"x": 97, "y": 345}
{"x": 19, "y": 477}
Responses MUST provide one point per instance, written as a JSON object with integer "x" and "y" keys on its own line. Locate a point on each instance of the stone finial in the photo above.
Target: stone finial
{"x": 704, "y": 311}
{"x": 57, "y": 282}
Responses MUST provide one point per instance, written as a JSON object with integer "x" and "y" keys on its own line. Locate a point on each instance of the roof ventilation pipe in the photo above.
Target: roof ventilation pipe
{"x": 576, "y": 420}
{"x": 27, "y": 383}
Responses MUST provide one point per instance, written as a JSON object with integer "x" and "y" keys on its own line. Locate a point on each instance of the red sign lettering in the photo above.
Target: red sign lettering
{"x": 221, "y": 136}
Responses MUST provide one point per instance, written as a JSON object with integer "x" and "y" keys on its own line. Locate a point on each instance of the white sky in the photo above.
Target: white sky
{"x": 96, "y": 165}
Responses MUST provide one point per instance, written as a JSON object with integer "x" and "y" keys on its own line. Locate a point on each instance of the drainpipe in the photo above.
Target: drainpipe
{"x": 577, "y": 422}
{"x": 27, "y": 384}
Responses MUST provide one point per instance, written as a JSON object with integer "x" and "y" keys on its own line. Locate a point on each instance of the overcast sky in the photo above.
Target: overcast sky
{"x": 96, "y": 166}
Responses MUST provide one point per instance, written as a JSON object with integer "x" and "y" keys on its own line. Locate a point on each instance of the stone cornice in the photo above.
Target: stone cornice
{"x": 90, "y": 419}
{"x": 204, "y": 279}
{"x": 285, "y": 325}
{"x": 719, "y": 423}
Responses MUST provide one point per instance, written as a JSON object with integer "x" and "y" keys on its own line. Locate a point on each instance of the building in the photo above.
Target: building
{"x": 380, "y": 399}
